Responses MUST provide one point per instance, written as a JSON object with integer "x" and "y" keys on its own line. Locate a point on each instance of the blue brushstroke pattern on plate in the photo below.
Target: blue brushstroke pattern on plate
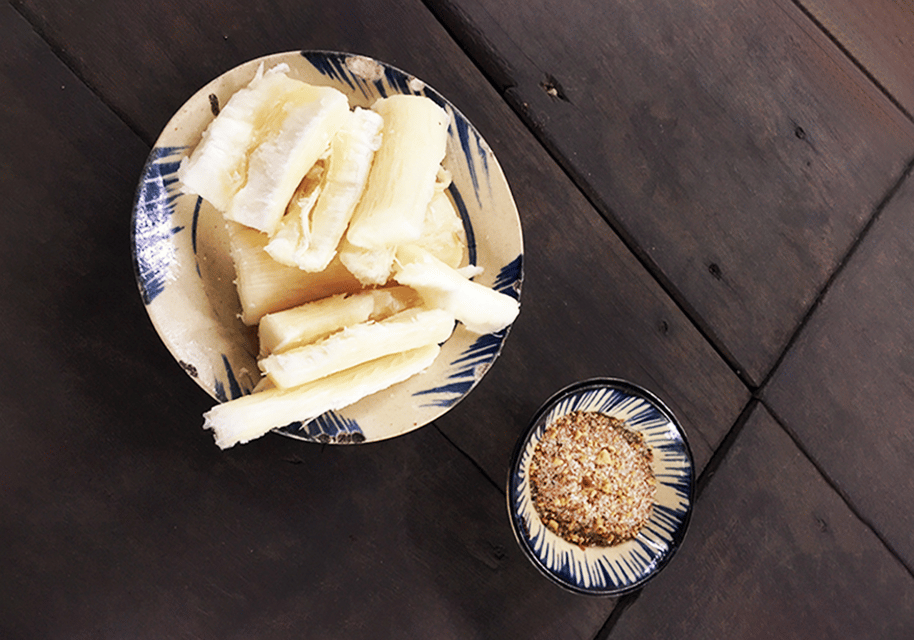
{"x": 160, "y": 212}
{"x": 627, "y": 566}
{"x": 153, "y": 252}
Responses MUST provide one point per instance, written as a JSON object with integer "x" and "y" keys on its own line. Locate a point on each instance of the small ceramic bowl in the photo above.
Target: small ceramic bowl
{"x": 185, "y": 274}
{"x": 619, "y": 569}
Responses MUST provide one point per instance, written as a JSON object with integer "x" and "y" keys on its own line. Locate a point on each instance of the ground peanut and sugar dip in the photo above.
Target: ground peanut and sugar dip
{"x": 591, "y": 479}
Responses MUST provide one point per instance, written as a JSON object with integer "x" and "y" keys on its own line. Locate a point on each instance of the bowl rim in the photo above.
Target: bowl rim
{"x": 678, "y": 536}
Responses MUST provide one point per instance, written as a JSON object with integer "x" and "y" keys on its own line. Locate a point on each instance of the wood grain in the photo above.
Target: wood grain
{"x": 773, "y": 552}
{"x": 732, "y": 144}
{"x": 879, "y": 34}
{"x": 589, "y": 308}
{"x": 734, "y": 149}
{"x": 120, "y": 517}
{"x": 846, "y": 389}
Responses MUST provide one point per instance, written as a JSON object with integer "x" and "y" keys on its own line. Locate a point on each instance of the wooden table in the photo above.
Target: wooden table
{"x": 717, "y": 204}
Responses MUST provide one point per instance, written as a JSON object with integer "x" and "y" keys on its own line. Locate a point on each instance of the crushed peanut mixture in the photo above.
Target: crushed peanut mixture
{"x": 591, "y": 479}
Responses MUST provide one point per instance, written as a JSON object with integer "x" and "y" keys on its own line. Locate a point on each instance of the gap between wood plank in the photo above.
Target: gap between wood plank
{"x": 621, "y": 607}
{"x": 505, "y": 86}
{"x": 626, "y": 601}
{"x": 844, "y": 50}
{"x": 838, "y": 491}
{"x": 500, "y": 486}
{"x": 69, "y": 63}
{"x": 836, "y": 272}
{"x": 486, "y": 63}
{"x": 34, "y": 22}
{"x": 704, "y": 478}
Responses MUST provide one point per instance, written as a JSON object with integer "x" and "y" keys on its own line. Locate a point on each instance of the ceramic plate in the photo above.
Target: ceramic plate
{"x": 185, "y": 275}
{"x": 608, "y": 571}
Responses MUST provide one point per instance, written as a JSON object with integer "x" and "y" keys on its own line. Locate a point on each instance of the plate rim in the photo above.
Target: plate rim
{"x": 484, "y": 153}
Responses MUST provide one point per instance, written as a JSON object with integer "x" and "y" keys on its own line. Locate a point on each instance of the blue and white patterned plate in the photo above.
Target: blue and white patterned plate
{"x": 185, "y": 274}
{"x": 608, "y": 571}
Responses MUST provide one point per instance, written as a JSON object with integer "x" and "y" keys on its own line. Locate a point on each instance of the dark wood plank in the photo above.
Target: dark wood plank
{"x": 773, "y": 552}
{"x": 589, "y": 308}
{"x": 732, "y": 143}
{"x": 879, "y": 34}
{"x": 846, "y": 389}
{"x": 118, "y": 515}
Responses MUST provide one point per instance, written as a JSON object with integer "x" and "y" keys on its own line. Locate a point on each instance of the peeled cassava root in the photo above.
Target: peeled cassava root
{"x": 346, "y": 246}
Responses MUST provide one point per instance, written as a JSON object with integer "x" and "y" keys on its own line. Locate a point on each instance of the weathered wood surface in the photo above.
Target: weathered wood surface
{"x": 732, "y": 143}
{"x": 734, "y": 135}
{"x": 119, "y": 515}
{"x": 774, "y": 552}
{"x": 879, "y": 35}
{"x": 846, "y": 389}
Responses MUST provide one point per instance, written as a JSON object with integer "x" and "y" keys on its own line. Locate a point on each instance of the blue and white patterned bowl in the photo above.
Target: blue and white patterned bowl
{"x": 608, "y": 571}
{"x": 185, "y": 274}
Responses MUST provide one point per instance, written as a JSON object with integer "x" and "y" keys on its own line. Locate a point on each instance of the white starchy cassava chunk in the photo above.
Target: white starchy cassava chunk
{"x": 251, "y": 416}
{"x": 312, "y": 321}
{"x": 369, "y": 266}
{"x": 360, "y": 343}
{"x": 443, "y": 234}
{"x": 402, "y": 178}
{"x": 480, "y": 309}
{"x": 283, "y": 330}
{"x": 265, "y": 286}
{"x": 294, "y": 232}
{"x": 297, "y": 134}
{"x": 351, "y": 154}
{"x": 216, "y": 169}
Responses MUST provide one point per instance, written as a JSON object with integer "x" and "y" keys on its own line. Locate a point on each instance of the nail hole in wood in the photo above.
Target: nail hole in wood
{"x": 714, "y": 270}
{"x": 551, "y": 86}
